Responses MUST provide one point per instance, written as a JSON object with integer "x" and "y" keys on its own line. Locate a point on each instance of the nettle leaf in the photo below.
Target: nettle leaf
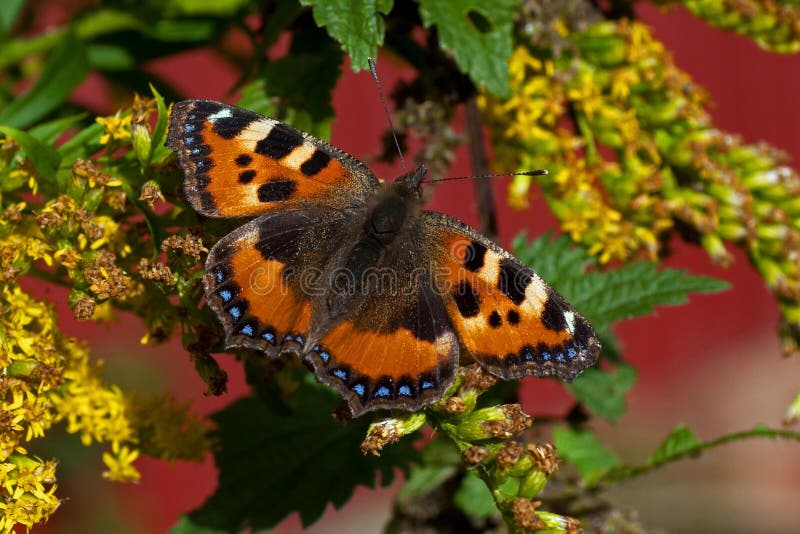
{"x": 603, "y": 392}
{"x": 356, "y": 24}
{"x": 474, "y": 498}
{"x": 479, "y": 35}
{"x": 555, "y": 259}
{"x": 273, "y": 462}
{"x": 605, "y": 297}
{"x": 582, "y": 449}
{"x": 635, "y": 289}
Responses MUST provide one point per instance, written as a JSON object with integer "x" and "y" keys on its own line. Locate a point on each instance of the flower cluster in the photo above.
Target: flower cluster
{"x": 71, "y": 226}
{"x": 488, "y": 440}
{"x": 774, "y": 25}
{"x": 634, "y": 158}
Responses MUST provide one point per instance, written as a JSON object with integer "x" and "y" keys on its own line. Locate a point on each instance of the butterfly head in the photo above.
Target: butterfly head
{"x": 410, "y": 185}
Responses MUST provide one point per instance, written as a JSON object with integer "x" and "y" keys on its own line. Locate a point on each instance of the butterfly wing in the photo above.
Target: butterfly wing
{"x": 261, "y": 278}
{"x": 238, "y": 163}
{"x": 397, "y": 349}
{"x": 506, "y": 316}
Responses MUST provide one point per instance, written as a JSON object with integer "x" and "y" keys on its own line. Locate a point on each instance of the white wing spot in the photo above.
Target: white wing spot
{"x": 224, "y": 113}
{"x": 570, "y": 318}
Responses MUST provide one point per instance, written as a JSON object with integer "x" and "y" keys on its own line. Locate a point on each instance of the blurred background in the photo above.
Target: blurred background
{"x": 714, "y": 364}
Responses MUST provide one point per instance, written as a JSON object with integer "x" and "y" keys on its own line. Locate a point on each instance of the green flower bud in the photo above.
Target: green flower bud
{"x": 142, "y": 143}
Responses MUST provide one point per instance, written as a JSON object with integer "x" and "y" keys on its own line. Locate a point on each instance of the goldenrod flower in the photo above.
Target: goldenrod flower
{"x": 118, "y": 128}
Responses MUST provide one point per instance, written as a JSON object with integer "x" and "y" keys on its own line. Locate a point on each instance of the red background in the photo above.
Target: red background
{"x": 713, "y": 363}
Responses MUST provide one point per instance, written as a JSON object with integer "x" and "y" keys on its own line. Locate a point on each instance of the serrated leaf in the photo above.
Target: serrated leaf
{"x": 553, "y": 258}
{"x": 65, "y": 68}
{"x": 474, "y": 498}
{"x": 605, "y": 297}
{"x": 273, "y": 463}
{"x": 635, "y": 289}
{"x": 679, "y": 442}
{"x": 356, "y": 24}
{"x": 479, "y": 35}
{"x": 603, "y": 392}
{"x": 582, "y": 449}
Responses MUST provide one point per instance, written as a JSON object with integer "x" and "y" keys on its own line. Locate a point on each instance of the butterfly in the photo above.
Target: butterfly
{"x": 377, "y": 295}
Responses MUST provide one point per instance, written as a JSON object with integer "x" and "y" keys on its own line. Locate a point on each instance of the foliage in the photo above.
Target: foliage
{"x": 92, "y": 204}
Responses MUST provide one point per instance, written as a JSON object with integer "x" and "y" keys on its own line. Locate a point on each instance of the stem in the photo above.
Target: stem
{"x": 480, "y": 167}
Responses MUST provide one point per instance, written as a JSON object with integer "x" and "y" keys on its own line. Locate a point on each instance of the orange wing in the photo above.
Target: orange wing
{"x": 238, "y": 163}
{"x": 256, "y": 277}
{"x": 508, "y": 318}
{"x": 397, "y": 349}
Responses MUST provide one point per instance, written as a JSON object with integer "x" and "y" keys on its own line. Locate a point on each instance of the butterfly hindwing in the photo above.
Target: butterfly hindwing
{"x": 238, "y": 163}
{"x": 397, "y": 348}
{"x": 259, "y": 279}
{"x": 506, "y": 316}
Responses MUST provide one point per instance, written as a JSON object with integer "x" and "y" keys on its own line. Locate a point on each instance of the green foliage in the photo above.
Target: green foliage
{"x": 74, "y": 190}
{"x": 582, "y": 449}
{"x": 358, "y": 25}
{"x": 479, "y": 36}
{"x": 603, "y": 392}
{"x": 276, "y": 457}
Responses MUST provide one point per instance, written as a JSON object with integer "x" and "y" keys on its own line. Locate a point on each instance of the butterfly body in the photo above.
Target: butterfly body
{"x": 379, "y": 296}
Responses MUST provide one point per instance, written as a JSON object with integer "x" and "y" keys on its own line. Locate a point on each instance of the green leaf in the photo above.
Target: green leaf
{"x": 681, "y": 441}
{"x": 422, "y": 481}
{"x": 634, "y": 289}
{"x": 356, "y": 24}
{"x": 158, "y": 137}
{"x": 213, "y": 8}
{"x": 83, "y": 143}
{"x": 474, "y": 498}
{"x": 605, "y": 297}
{"x": 603, "y": 392}
{"x": 186, "y": 525}
{"x": 44, "y": 157}
{"x": 9, "y": 9}
{"x": 554, "y": 258}
{"x": 110, "y": 57}
{"x": 48, "y": 132}
{"x": 297, "y": 89}
{"x": 66, "y": 67}
{"x": 479, "y": 34}
{"x": 273, "y": 462}
{"x": 582, "y": 449}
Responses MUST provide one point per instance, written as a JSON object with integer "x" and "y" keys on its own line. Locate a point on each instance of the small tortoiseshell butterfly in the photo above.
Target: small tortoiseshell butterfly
{"x": 376, "y": 294}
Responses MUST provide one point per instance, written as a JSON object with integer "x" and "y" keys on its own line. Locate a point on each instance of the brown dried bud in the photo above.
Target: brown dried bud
{"x": 525, "y": 514}
{"x": 48, "y": 219}
{"x": 84, "y": 309}
{"x": 455, "y": 405}
{"x": 518, "y": 421}
{"x": 105, "y": 278}
{"x": 190, "y": 245}
{"x": 151, "y": 194}
{"x": 475, "y": 378}
{"x": 116, "y": 199}
{"x": 475, "y": 455}
{"x": 510, "y": 454}
{"x": 12, "y": 214}
{"x": 156, "y": 271}
{"x": 544, "y": 457}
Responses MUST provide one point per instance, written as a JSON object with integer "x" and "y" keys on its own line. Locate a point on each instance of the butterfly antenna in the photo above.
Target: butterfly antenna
{"x": 538, "y": 172}
{"x": 374, "y": 71}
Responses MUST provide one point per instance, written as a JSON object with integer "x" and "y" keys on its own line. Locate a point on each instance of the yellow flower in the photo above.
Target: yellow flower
{"x": 120, "y": 464}
{"x": 117, "y": 128}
